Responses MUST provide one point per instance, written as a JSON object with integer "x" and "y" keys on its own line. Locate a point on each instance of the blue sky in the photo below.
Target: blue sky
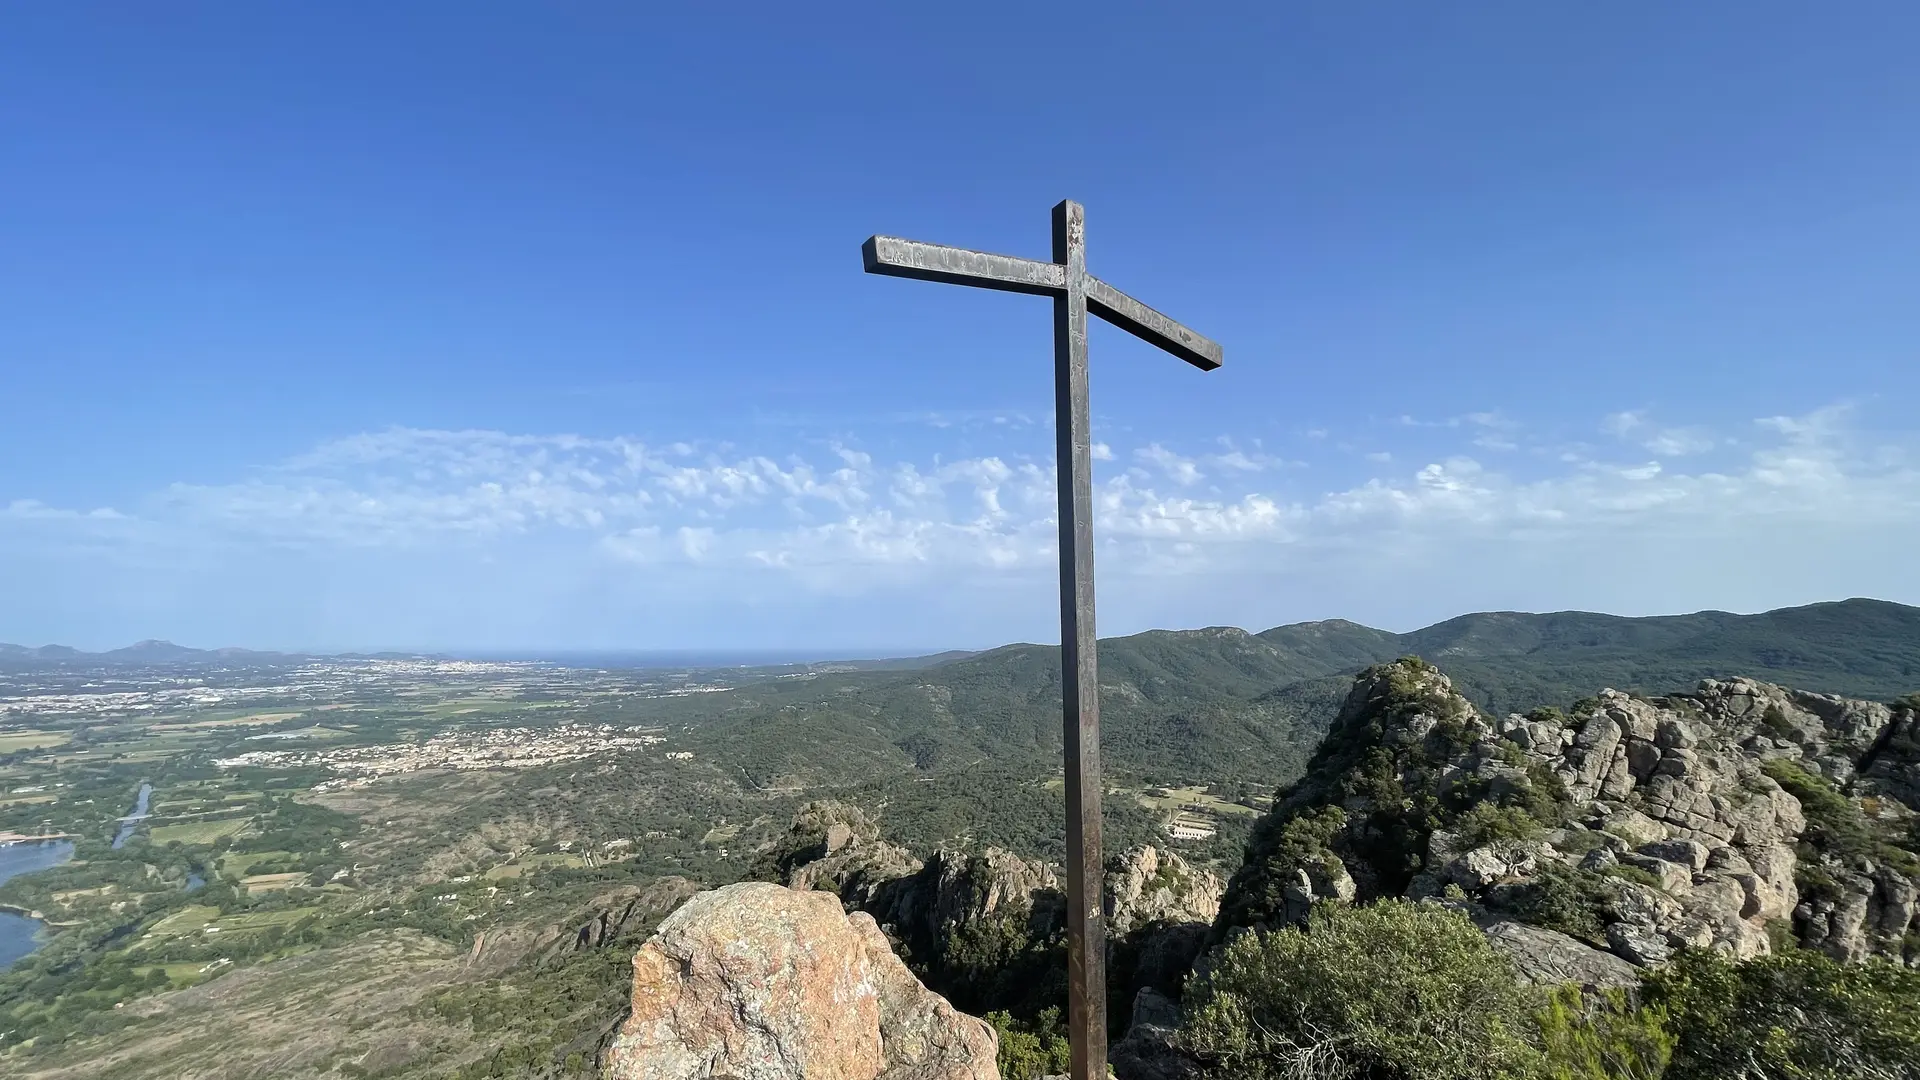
{"x": 508, "y": 326}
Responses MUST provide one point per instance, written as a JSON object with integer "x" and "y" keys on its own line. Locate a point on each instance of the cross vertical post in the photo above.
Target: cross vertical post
{"x": 1075, "y": 293}
{"x": 1079, "y": 669}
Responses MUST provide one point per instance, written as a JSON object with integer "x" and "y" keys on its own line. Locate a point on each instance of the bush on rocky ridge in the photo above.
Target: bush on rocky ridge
{"x": 1798, "y": 1014}
{"x": 1395, "y": 990}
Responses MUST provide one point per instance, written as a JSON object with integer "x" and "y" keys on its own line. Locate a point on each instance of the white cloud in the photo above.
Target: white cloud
{"x": 1635, "y": 426}
{"x": 35, "y": 510}
{"x": 848, "y": 520}
{"x": 410, "y": 487}
{"x": 1183, "y": 470}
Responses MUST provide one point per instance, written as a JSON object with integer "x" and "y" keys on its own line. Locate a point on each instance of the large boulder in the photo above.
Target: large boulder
{"x": 1548, "y": 958}
{"x": 757, "y": 981}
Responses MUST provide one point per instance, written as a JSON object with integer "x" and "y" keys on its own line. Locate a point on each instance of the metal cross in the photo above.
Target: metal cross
{"x": 1074, "y": 293}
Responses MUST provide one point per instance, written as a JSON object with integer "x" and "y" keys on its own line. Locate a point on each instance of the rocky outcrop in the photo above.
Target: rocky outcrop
{"x": 1663, "y": 788}
{"x": 1628, "y": 826}
{"x": 757, "y": 981}
{"x": 837, "y": 847}
{"x": 976, "y": 922}
{"x": 1159, "y": 909}
{"x": 1146, "y": 886}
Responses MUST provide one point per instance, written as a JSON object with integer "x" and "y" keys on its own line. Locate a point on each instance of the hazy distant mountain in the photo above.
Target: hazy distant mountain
{"x": 44, "y": 652}
{"x": 143, "y": 653}
{"x": 153, "y": 651}
{"x": 1501, "y": 659}
{"x": 894, "y": 663}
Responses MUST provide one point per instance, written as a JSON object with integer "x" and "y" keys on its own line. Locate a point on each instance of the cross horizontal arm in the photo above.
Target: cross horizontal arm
{"x": 1149, "y": 325}
{"x": 895, "y": 257}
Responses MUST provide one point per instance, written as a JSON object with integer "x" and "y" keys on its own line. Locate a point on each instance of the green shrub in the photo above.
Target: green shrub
{"x": 1032, "y": 1049}
{"x": 996, "y": 960}
{"x": 1566, "y": 899}
{"x": 1484, "y": 823}
{"x": 1835, "y": 826}
{"x": 1797, "y": 1015}
{"x": 1579, "y": 841}
{"x": 1391, "y": 989}
{"x": 1833, "y": 823}
{"x": 1605, "y": 1038}
{"x": 1634, "y": 874}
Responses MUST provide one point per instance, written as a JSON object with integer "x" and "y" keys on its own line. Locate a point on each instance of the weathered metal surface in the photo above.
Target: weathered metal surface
{"x": 1074, "y": 293}
{"x": 1080, "y": 681}
{"x": 957, "y": 266}
{"x": 1149, "y": 325}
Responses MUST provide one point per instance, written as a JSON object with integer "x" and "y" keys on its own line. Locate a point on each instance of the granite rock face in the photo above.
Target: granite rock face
{"x": 1159, "y": 909}
{"x": 1661, "y": 816}
{"x": 757, "y": 981}
{"x": 1146, "y": 886}
{"x": 1667, "y": 791}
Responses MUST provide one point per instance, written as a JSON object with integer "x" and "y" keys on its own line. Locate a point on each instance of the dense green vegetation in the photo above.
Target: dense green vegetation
{"x": 547, "y": 1018}
{"x": 1837, "y": 829}
{"x": 1798, "y": 1014}
{"x": 1392, "y": 990}
{"x": 1032, "y": 1049}
{"x": 1411, "y": 991}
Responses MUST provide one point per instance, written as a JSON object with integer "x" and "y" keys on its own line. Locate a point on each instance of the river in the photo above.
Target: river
{"x": 19, "y": 935}
{"x": 132, "y": 821}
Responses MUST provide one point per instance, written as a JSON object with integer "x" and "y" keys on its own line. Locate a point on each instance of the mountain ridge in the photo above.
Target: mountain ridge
{"x": 1321, "y": 645}
{"x": 1222, "y": 706}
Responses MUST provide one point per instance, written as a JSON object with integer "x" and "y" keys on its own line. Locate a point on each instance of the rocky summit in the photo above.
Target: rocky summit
{"x": 1740, "y": 817}
{"x": 757, "y": 981}
{"x": 1594, "y": 848}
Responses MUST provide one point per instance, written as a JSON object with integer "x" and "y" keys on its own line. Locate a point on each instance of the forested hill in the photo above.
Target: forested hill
{"x": 1224, "y": 705}
{"x": 1859, "y": 647}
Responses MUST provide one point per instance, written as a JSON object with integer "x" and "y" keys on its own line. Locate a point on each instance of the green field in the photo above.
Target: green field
{"x": 1193, "y": 798}
{"x": 260, "y": 883}
{"x": 29, "y": 740}
{"x": 185, "y": 921}
{"x": 197, "y": 832}
{"x": 186, "y": 974}
{"x": 249, "y": 922}
{"x": 233, "y": 865}
{"x": 315, "y": 733}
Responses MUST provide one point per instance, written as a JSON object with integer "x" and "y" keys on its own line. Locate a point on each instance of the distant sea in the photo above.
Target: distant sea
{"x": 695, "y": 659}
